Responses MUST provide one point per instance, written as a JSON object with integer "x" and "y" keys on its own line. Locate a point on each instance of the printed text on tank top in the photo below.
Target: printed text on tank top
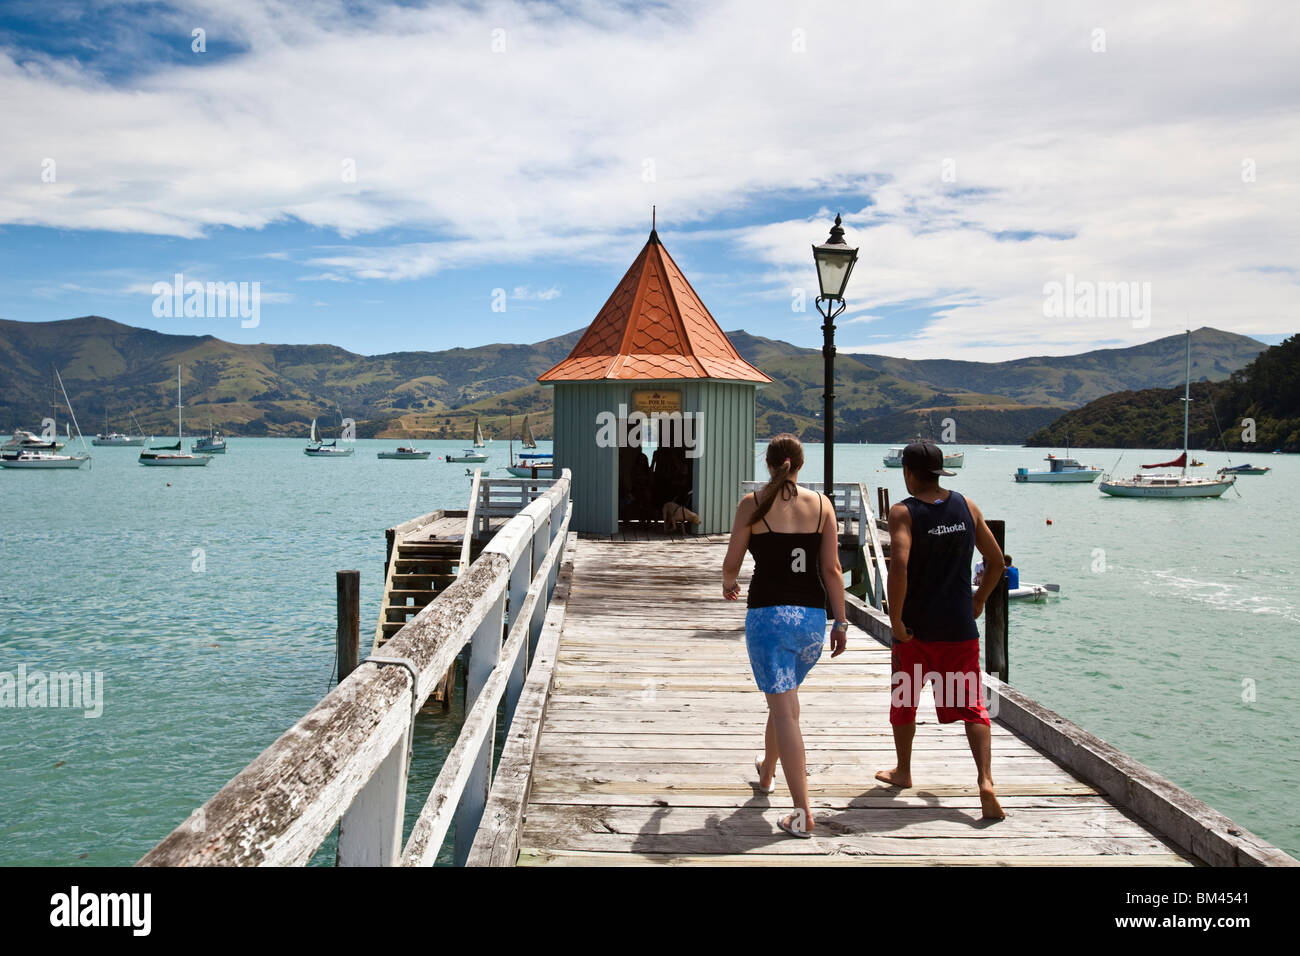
{"x": 937, "y": 604}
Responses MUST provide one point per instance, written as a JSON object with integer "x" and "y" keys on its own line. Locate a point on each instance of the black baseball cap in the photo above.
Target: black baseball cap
{"x": 925, "y": 458}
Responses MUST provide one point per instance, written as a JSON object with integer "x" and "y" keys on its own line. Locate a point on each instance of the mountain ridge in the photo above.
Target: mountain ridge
{"x": 269, "y": 389}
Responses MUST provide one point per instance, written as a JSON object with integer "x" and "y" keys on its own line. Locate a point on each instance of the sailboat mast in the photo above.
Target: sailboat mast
{"x": 71, "y": 413}
{"x": 180, "y": 431}
{"x": 1187, "y": 398}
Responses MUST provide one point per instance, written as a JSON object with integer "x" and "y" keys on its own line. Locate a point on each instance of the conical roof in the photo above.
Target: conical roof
{"x": 653, "y": 326}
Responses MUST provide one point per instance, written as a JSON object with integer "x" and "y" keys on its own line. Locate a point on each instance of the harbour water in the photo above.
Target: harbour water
{"x": 205, "y": 598}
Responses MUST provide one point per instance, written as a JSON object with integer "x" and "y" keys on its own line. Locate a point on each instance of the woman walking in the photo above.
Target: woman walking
{"x": 791, "y": 533}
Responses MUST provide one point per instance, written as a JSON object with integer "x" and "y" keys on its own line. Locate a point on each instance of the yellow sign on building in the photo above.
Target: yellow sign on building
{"x": 661, "y": 401}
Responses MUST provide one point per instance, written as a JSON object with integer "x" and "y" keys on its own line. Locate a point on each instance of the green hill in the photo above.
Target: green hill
{"x": 118, "y": 370}
{"x": 1267, "y": 391}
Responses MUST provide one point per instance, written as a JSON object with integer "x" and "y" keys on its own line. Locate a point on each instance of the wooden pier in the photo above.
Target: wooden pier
{"x": 633, "y": 722}
{"x": 647, "y": 747}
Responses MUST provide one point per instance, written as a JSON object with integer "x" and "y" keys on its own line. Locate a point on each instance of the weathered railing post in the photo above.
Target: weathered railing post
{"x": 557, "y": 519}
{"x": 370, "y": 831}
{"x": 541, "y": 544}
{"x": 995, "y": 615}
{"x": 521, "y": 578}
{"x": 347, "y": 638}
{"x": 484, "y": 654}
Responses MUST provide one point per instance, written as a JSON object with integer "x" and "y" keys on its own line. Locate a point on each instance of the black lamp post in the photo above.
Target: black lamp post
{"x": 835, "y": 262}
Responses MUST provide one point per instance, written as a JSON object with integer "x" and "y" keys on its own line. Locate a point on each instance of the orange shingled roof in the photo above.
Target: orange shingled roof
{"x": 653, "y": 326}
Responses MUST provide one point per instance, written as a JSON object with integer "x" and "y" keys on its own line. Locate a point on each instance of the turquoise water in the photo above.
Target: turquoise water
{"x": 208, "y": 655}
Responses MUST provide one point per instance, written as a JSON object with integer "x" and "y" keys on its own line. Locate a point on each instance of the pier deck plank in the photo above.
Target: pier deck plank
{"x": 646, "y": 750}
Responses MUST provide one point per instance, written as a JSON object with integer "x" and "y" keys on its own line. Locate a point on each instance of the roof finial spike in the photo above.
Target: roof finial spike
{"x": 652, "y": 218}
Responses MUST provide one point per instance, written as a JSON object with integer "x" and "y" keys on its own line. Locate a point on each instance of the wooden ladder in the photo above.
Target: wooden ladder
{"x": 418, "y": 571}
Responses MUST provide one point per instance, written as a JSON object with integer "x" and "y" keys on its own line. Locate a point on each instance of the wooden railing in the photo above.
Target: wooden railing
{"x": 346, "y": 761}
{"x": 852, "y": 504}
{"x": 506, "y": 496}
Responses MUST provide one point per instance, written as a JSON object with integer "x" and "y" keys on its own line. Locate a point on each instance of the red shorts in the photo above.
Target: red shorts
{"x": 954, "y": 669}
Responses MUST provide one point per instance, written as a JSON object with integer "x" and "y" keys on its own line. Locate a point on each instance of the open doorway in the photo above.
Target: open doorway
{"x": 653, "y": 468}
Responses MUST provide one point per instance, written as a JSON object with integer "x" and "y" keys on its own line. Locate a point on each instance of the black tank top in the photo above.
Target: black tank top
{"x": 937, "y": 606}
{"x": 787, "y": 567}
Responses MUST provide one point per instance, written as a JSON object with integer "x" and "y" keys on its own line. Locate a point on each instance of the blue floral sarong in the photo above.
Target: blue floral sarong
{"x": 784, "y": 643}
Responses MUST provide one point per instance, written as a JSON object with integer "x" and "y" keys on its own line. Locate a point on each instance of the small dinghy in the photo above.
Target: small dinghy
{"x": 1031, "y": 593}
{"x": 1245, "y": 470}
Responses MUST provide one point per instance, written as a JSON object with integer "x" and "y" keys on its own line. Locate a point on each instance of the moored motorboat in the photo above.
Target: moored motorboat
{"x": 405, "y": 453}
{"x": 1059, "y": 470}
{"x": 1030, "y": 593}
{"x": 23, "y": 440}
{"x": 1245, "y": 470}
{"x": 214, "y": 443}
{"x": 951, "y": 459}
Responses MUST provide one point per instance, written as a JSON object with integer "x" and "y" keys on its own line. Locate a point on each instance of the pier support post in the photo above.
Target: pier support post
{"x": 348, "y": 636}
{"x": 995, "y": 615}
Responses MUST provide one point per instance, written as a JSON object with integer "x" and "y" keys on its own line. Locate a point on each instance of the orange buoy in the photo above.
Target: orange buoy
{"x": 1049, "y": 520}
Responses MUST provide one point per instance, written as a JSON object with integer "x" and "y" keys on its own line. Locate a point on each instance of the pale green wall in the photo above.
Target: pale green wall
{"x": 727, "y": 459}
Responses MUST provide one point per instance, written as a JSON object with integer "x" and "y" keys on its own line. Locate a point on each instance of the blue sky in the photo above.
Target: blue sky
{"x": 381, "y": 169}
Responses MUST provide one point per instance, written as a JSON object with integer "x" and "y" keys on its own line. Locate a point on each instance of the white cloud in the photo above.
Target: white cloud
{"x": 1127, "y": 164}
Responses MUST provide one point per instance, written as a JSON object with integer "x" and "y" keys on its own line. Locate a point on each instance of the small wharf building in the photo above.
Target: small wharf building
{"x": 653, "y": 404}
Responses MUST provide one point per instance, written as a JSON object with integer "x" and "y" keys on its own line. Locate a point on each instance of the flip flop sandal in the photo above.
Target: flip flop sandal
{"x": 758, "y": 768}
{"x": 793, "y": 831}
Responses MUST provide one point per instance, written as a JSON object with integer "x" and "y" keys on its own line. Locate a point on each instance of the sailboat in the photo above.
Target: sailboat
{"x": 472, "y": 455}
{"x": 319, "y": 449}
{"x": 110, "y": 438}
{"x": 1168, "y": 485}
{"x": 172, "y": 454}
{"x": 24, "y": 440}
{"x": 534, "y": 465}
{"x": 529, "y": 441}
{"x": 21, "y": 457}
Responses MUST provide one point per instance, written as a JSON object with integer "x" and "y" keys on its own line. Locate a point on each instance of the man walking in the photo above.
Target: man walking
{"x": 932, "y": 538}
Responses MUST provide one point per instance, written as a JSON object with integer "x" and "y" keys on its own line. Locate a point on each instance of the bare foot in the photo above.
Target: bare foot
{"x": 894, "y": 778}
{"x": 989, "y": 804}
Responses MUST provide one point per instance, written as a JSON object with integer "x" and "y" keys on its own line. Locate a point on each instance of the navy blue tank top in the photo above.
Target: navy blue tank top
{"x": 787, "y": 567}
{"x": 937, "y": 606}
